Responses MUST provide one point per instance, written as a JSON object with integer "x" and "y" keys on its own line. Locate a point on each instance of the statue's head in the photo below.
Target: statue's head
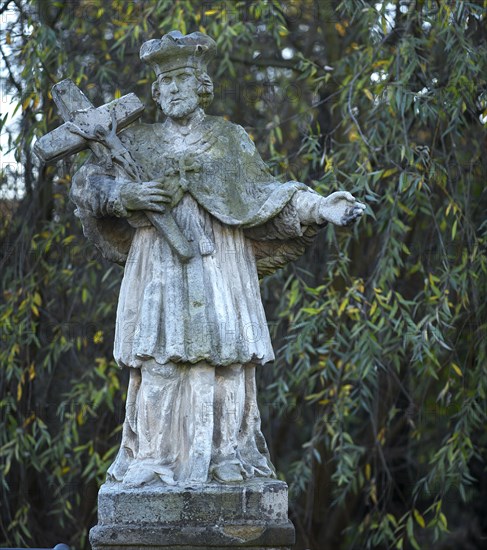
{"x": 180, "y": 63}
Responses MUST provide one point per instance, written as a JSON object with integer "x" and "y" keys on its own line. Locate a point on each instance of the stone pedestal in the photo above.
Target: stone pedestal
{"x": 250, "y": 515}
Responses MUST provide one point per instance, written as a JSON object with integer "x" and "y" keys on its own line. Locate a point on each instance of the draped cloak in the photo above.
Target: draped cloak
{"x": 240, "y": 221}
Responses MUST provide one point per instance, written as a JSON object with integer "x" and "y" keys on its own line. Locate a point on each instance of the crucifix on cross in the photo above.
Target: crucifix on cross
{"x": 96, "y": 128}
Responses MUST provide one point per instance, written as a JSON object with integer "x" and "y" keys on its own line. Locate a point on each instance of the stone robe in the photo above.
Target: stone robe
{"x": 178, "y": 321}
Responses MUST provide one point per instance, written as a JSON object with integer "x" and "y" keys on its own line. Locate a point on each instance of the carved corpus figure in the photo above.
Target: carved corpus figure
{"x": 190, "y": 326}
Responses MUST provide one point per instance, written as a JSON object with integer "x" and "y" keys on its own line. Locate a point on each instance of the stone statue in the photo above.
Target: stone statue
{"x": 191, "y": 210}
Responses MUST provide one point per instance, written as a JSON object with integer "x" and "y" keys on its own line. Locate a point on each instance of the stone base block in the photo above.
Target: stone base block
{"x": 250, "y": 515}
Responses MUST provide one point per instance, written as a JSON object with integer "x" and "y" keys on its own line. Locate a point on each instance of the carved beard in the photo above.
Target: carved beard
{"x": 179, "y": 105}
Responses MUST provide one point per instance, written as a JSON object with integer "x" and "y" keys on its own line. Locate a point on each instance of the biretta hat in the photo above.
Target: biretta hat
{"x": 175, "y": 51}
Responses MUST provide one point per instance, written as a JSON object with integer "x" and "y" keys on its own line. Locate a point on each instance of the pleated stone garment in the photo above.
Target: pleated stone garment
{"x": 208, "y": 309}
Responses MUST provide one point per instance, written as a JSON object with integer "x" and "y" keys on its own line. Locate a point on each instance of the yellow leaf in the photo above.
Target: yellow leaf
{"x": 19, "y": 391}
{"x": 457, "y": 369}
{"x": 434, "y": 278}
{"x": 373, "y": 308}
{"x": 84, "y": 296}
{"x": 211, "y": 12}
{"x": 389, "y": 172}
{"x": 367, "y": 471}
{"x": 117, "y": 93}
{"x": 443, "y": 520}
{"x": 419, "y": 518}
{"x": 328, "y": 163}
{"x": 28, "y": 421}
{"x": 68, "y": 239}
{"x": 368, "y": 93}
{"x": 340, "y": 29}
{"x": 37, "y": 299}
{"x": 32, "y": 372}
{"x": 80, "y": 418}
{"x": 98, "y": 337}
{"x": 8, "y": 39}
{"x": 373, "y": 493}
{"x": 343, "y": 305}
{"x": 353, "y": 135}
{"x": 26, "y": 103}
{"x": 404, "y": 208}
{"x": 34, "y": 309}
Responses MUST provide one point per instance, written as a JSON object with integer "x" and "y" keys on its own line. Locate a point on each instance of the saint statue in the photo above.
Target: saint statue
{"x": 191, "y": 210}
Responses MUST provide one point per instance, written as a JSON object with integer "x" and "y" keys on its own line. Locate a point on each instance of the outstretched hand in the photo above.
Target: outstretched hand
{"x": 341, "y": 208}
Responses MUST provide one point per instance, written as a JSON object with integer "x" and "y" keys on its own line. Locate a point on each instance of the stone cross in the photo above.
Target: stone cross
{"x": 75, "y": 107}
{"x": 96, "y": 128}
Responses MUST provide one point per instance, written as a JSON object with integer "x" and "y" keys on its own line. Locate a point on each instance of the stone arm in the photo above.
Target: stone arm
{"x": 97, "y": 191}
{"x": 306, "y": 208}
{"x": 340, "y": 208}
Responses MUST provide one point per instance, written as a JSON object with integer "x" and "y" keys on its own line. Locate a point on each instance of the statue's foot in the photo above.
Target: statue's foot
{"x": 228, "y": 472}
{"x": 166, "y": 478}
{"x": 138, "y": 475}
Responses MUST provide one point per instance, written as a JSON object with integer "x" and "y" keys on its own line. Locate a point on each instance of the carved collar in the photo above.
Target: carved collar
{"x": 170, "y": 129}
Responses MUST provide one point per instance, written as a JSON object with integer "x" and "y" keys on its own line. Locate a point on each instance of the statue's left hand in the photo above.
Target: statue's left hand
{"x": 341, "y": 208}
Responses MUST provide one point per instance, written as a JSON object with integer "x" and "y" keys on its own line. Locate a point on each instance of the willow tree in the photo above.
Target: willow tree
{"x": 376, "y": 406}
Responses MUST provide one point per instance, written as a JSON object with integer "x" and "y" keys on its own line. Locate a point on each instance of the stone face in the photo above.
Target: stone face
{"x": 246, "y": 515}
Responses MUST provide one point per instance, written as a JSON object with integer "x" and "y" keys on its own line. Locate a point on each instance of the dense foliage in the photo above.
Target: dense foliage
{"x": 375, "y": 409}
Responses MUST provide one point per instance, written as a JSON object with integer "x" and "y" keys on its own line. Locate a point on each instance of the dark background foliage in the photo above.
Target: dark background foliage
{"x": 375, "y": 408}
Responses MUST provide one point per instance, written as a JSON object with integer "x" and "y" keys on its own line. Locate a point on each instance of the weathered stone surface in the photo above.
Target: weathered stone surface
{"x": 246, "y": 515}
{"x": 261, "y": 500}
{"x": 195, "y": 538}
{"x": 75, "y": 106}
{"x": 196, "y": 216}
